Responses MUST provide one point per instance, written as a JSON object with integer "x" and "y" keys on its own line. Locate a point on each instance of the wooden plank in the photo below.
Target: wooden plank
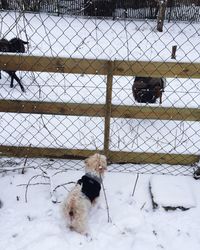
{"x": 159, "y": 113}
{"x": 54, "y": 108}
{"x": 53, "y": 64}
{"x": 108, "y": 109}
{"x": 99, "y": 110}
{"x": 153, "y": 158}
{"x": 98, "y": 67}
{"x": 114, "y": 156}
{"x": 157, "y": 69}
{"x": 36, "y": 152}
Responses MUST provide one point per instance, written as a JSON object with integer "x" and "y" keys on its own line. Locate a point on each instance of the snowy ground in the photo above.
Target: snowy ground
{"x": 134, "y": 224}
{"x": 103, "y": 39}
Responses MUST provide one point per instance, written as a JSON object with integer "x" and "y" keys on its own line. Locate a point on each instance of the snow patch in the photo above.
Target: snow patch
{"x": 172, "y": 192}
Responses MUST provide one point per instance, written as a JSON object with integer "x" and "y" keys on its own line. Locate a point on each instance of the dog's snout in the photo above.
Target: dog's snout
{"x": 101, "y": 169}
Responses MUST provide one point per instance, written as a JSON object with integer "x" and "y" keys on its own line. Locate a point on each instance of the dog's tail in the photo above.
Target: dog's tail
{"x": 70, "y": 209}
{"x": 24, "y": 42}
{"x": 71, "y": 213}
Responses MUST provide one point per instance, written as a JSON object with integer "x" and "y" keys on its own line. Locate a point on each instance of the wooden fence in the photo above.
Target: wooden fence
{"x": 107, "y": 110}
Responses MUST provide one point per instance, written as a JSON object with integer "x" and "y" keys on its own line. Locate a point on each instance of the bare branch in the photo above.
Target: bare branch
{"x": 29, "y": 182}
{"x": 63, "y": 185}
{"x": 107, "y": 207}
{"x": 134, "y": 188}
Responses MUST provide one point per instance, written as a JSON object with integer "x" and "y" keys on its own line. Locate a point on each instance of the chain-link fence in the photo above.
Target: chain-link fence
{"x": 80, "y": 78}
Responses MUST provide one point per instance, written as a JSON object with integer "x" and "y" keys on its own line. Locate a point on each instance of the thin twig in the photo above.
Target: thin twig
{"x": 60, "y": 171}
{"x": 4, "y": 170}
{"x": 26, "y": 158}
{"x": 34, "y": 184}
{"x": 107, "y": 207}
{"x": 143, "y": 205}
{"x": 13, "y": 25}
{"x": 28, "y": 184}
{"x": 63, "y": 185}
{"x": 54, "y": 137}
{"x": 134, "y": 188}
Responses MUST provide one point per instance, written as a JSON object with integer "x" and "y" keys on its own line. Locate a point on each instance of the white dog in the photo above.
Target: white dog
{"x": 80, "y": 199}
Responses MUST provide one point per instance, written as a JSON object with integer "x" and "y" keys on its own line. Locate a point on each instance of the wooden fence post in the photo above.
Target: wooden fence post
{"x": 108, "y": 109}
{"x": 173, "y": 55}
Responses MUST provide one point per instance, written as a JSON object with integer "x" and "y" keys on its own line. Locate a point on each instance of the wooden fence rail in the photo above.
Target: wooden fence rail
{"x": 99, "y": 110}
{"x": 99, "y": 67}
{"x": 107, "y": 110}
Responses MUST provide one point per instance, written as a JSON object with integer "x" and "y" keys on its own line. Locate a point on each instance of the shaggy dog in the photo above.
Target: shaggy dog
{"x": 80, "y": 199}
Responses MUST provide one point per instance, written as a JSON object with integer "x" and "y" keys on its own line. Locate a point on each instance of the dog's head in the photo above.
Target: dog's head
{"x": 4, "y": 45}
{"x": 96, "y": 164}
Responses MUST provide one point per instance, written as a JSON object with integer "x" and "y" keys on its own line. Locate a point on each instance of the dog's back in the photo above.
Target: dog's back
{"x": 147, "y": 89}
{"x": 17, "y": 45}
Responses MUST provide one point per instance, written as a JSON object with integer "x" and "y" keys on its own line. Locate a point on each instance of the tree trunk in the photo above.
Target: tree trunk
{"x": 161, "y": 14}
{"x": 4, "y": 4}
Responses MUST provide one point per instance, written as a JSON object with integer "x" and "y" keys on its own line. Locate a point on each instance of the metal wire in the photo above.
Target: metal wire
{"x": 72, "y": 36}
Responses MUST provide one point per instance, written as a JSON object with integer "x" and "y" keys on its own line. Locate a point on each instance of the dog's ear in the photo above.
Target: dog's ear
{"x": 104, "y": 159}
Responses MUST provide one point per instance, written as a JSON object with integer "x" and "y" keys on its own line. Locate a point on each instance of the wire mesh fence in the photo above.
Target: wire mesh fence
{"x": 21, "y": 165}
{"x": 153, "y": 120}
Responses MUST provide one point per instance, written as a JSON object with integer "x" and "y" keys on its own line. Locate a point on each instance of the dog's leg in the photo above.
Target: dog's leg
{"x": 12, "y": 81}
{"x": 19, "y": 82}
{"x": 0, "y": 74}
{"x": 10, "y": 73}
{"x": 161, "y": 98}
{"x": 13, "y": 76}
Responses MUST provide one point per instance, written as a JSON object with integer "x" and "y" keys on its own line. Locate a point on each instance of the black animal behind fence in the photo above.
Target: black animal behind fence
{"x": 148, "y": 89}
{"x": 15, "y": 45}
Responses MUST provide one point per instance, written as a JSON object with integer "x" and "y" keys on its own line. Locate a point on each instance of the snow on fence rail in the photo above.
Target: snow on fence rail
{"x": 107, "y": 111}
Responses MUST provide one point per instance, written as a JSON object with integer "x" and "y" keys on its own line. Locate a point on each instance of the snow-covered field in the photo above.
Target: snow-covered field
{"x": 103, "y": 39}
{"x": 38, "y": 224}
